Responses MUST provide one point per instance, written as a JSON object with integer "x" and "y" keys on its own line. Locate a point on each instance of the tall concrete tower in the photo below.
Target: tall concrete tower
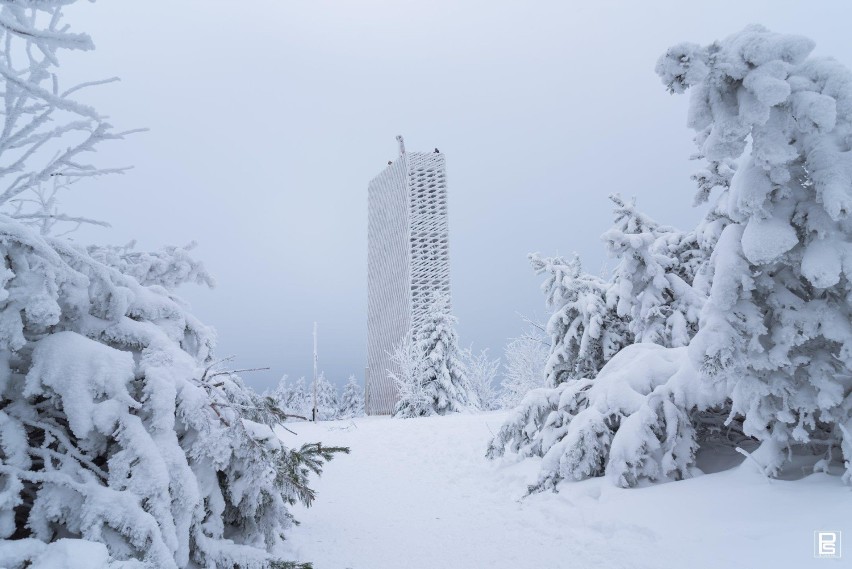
{"x": 408, "y": 260}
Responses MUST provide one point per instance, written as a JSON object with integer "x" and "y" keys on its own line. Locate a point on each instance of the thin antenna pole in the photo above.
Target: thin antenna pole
{"x": 314, "y": 411}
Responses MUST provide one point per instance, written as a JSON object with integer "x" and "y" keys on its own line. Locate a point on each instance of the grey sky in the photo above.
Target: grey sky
{"x": 268, "y": 119}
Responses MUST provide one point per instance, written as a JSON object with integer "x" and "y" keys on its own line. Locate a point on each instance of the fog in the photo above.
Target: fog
{"x": 268, "y": 119}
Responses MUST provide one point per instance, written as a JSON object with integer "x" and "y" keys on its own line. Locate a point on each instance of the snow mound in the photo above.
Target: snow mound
{"x": 764, "y": 240}
{"x": 631, "y": 422}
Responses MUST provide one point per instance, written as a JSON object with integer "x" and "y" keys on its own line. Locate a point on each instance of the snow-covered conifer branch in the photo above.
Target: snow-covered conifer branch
{"x": 169, "y": 267}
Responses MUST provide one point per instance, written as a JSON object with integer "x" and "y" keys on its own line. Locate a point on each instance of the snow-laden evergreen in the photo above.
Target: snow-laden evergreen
{"x": 291, "y": 398}
{"x": 352, "y": 400}
{"x": 168, "y": 267}
{"x": 589, "y": 416}
{"x": 407, "y": 374}
{"x": 296, "y": 401}
{"x": 327, "y": 404}
{"x": 619, "y": 390}
{"x": 651, "y": 285}
{"x": 776, "y": 332}
{"x": 766, "y": 272}
{"x": 585, "y": 332}
{"x": 123, "y": 443}
{"x": 431, "y": 377}
{"x": 116, "y": 428}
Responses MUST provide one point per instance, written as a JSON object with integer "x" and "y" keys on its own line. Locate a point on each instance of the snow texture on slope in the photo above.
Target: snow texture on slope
{"x": 418, "y": 494}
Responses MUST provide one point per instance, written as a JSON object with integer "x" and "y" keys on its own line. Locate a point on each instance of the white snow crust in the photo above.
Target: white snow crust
{"x": 419, "y": 495}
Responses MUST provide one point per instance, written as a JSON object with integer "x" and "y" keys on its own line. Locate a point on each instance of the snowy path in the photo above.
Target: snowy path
{"x": 418, "y": 494}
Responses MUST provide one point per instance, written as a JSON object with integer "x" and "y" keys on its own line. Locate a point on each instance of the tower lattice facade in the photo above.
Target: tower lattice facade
{"x": 408, "y": 261}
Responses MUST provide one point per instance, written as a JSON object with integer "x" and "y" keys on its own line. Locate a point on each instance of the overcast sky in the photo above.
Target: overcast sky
{"x": 269, "y": 118}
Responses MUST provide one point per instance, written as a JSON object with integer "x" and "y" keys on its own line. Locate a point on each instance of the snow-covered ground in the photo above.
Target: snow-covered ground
{"x": 418, "y": 493}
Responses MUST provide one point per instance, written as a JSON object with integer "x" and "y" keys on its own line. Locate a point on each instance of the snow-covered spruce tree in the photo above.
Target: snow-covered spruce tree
{"x": 432, "y": 378}
{"x": 327, "y": 402}
{"x": 777, "y": 328}
{"x": 774, "y": 339}
{"x": 301, "y": 400}
{"x": 352, "y": 400}
{"x": 481, "y": 373}
{"x": 116, "y": 430}
{"x": 120, "y": 442}
{"x": 651, "y": 285}
{"x": 290, "y": 398}
{"x": 523, "y": 370}
{"x": 584, "y": 331}
{"x": 609, "y": 401}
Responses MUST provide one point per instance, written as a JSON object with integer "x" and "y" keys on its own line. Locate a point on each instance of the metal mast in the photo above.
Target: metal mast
{"x": 314, "y": 411}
